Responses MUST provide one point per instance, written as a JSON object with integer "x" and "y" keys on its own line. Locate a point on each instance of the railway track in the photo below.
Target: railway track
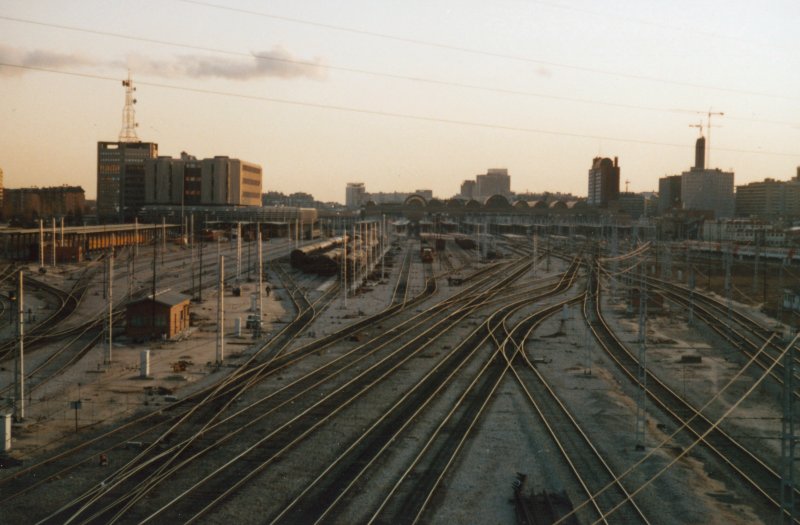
{"x": 105, "y": 512}
{"x": 320, "y": 497}
{"x": 414, "y": 490}
{"x": 598, "y": 481}
{"x": 741, "y": 463}
{"x": 43, "y": 332}
{"x": 161, "y": 420}
{"x": 742, "y": 331}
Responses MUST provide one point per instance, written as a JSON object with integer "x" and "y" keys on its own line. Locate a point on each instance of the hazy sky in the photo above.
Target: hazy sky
{"x": 404, "y": 94}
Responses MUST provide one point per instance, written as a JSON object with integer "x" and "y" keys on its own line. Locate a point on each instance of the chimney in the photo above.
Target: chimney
{"x": 700, "y": 154}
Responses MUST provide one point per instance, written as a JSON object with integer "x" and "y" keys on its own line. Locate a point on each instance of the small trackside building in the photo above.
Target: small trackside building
{"x": 164, "y": 318}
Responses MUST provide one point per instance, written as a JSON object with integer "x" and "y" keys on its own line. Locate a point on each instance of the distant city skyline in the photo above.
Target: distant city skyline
{"x": 418, "y": 95}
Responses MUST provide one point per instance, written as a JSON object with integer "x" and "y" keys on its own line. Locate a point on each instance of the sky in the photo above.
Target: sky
{"x": 404, "y": 95}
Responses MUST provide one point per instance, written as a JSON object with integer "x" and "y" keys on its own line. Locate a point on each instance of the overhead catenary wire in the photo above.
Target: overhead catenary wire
{"x": 481, "y": 52}
{"x": 713, "y": 427}
{"x": 382, "y": 74}
{"x": 381, "y": 113}
{"x": 683, "y": 426}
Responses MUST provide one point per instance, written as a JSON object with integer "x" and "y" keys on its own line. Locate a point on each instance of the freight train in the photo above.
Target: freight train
{"x": 325, "y": 258}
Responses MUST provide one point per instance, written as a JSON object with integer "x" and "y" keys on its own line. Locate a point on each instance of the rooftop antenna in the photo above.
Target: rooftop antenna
{"x": 129, "y": 125}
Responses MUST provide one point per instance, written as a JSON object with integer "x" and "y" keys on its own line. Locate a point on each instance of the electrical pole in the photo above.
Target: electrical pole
{"x": 41, "y": 243}
{"x": 163, "y": 238}
{"x": 250, "y": 254}
{"x": 53, "y": 239}
{"x": 614, "y": 260}
{"x": 130, "y": 274}
{"x": 355, "y": 257}
{"x": 200, "y": 284}
{"x": 641, "y": 405}
{"x": 260, "y": 288}
{"x": 238, "y": 251}
{"x": 383, "y": 247}
{"x": 221, "y": 312}
{"x": 110, "y": 306}
{"x": 344, "y": 263}
{"x": 759, "y": 236}
{"x": 728, "y": 287}
{"x": 191, "y": 248}
{"x": 789, "y": 437}
{"x": 19, "y": 372}
{"x": 153, "y": 301}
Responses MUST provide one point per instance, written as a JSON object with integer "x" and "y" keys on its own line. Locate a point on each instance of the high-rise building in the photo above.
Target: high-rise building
{"x": 496, "y": 181}
{"x": 120, "y": 167}
{"x": 1, "y": 188}
{"x": 669, "y": 194}
{"x": 30, "y": 204}
{"x": 218, "y": 181}
{"x": 707, "y": 189}
{"x": 632, "y": 203}
{"x": 354, "y": 194}
{"x": 769, "y": 199}
{"x": 467, "y": 189}
{"x": 710, "y": 190}
{"x": 120, "y": 178}
{"x": 603, "y": 182}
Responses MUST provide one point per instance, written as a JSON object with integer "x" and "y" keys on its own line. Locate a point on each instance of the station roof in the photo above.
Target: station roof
{"x": 168, "y": 298}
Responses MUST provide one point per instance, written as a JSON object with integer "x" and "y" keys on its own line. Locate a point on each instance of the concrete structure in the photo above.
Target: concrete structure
{"x": 386, "y": 197}
{"x": 120, "y": 178}
{"x": 354, "y": 195}
{"x": 700, "y": 153}
{"x": 468, "y": 189}
{"x": 632, "y": 203}
{"x": 27, "y": 205}
{"x": 23, "y": 243}
{"x": 167, "y": 316}
{"x": 770, "y": 199}
{"x": 220, "y": 181}
{"x": 603, "y": 182}
{"x": 669, "y": 194}
{"x": 495, "y": 182}
{"x": 1, "y": 188}
{"x": 706, "y": 189}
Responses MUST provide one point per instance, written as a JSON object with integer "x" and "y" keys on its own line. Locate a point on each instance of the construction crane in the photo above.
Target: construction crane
{"x": 709, "y": 114}
{"x": 698, "y": 126}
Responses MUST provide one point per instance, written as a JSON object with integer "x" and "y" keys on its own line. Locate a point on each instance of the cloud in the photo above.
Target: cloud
{"x": 37, "y": 58}
{"x": 277, "y": 62}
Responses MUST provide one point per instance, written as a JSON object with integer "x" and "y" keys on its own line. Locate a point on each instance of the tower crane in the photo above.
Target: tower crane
{"x": 709, "y": 114}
